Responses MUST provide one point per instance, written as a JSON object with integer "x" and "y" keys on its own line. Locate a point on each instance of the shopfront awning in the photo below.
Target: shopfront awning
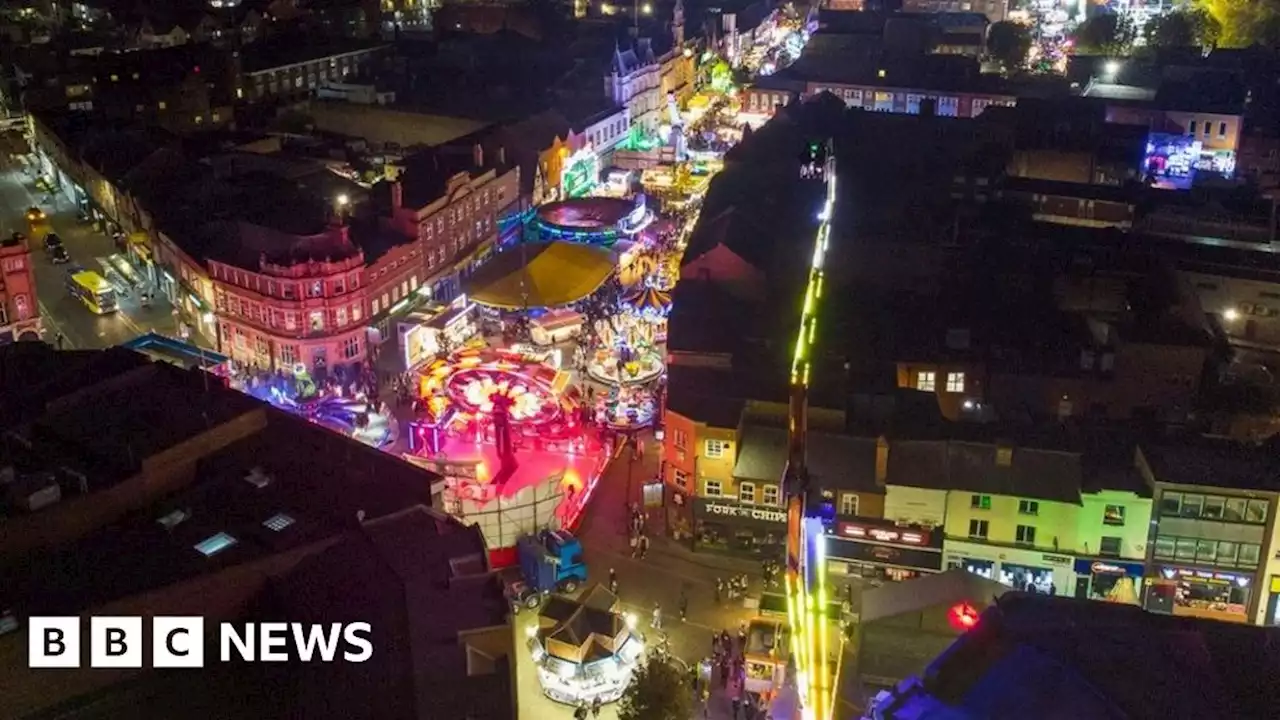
{"x": 540, "y": 275}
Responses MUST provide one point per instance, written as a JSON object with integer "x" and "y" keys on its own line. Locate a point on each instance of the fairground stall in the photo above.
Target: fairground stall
{"x": 505, "y": 430}
{"x": 585, "y": 650}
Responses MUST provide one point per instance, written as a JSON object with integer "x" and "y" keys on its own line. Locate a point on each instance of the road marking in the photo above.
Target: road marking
{"x": 57, "y": 328}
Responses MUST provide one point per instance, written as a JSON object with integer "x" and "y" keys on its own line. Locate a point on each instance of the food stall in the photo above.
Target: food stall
{"x": 556, "y": 326}
{"x": 586, "y": 649}
{"x": 427, "y": 335}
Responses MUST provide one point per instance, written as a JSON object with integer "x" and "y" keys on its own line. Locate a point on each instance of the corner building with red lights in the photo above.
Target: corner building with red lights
{"x": 287, "y": 300}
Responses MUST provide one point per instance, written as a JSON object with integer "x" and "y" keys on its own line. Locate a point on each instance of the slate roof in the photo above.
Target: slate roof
{"x": 948, "y": 588}
{"x": 838, "y": 462}
{"x": 1052, "y": 475}
{"x": 400, "y": 573}
{"x": 1214, "y": 462}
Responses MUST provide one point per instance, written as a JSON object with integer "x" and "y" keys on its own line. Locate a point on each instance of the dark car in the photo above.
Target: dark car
{"x": 58, "y": 255}
{"x": 52, "y": 241}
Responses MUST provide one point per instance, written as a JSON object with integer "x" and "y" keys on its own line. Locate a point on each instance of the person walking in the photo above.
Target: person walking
{"x": 581, "y": 712}
{"x": 613, "y": 581}
{"x": 719, "y": 590}
{"x": 684, "y": 605}
{"x": 595, "y": 707}
{"x": 643, "y": 546}
{"x": 657, "y": 617}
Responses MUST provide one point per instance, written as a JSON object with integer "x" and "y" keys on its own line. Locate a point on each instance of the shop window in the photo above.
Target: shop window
{"x": 1109, "y": 546}
{"x": 1185, "y": 549}
{"x": 747, "y": 492}
{"x": 1026, "y": 535}
{"x": 717, "y": 449}
{"x": 351, "y": 348}
{"x": 926, "y": 381}
{"x": 1256, "y": 511}
{"x": 712, "y": 488}
{"x": 1234, "y": 511}
{"x": 1191, "y": 506}
{"x": 980, "y": 502}
{"x": 1213, "y": 508}
{"x": 1249, "y": 553}
{"x": 1205, "y": 551}
{"x": 1028, "y": 507}
{"x": 978, "y": 529}
{"x": 263, "y": 347}
{"x": 1227, "y": 552}
{"x": 770, "y": 493}
{"x": 1170, "y": 503}
{"x": 955, "y": 382}
{"x": 848, "y": 503}
{"x": 1164, "y": 547}
{"x": 1113, "y": 515}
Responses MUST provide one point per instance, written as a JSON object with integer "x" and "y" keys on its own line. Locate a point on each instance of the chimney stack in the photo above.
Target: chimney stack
{"x": 478, "y": 155}
{"x": 397, "y": 195}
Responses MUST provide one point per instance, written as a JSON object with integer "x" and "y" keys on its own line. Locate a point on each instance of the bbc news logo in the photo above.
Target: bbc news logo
{"x": 179, "y": 642}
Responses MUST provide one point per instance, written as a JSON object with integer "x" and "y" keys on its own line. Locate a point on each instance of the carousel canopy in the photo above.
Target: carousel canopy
{"x": 540, "y": 275}
{"x": 649, "y": 300}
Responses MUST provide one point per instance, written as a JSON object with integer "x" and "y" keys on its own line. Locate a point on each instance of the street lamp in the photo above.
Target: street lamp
{"x": 1111, "y": 69}
{"x": 1230, "y": 315}
{"x": 343, "y": 200}
{"x": 648, "y": 9}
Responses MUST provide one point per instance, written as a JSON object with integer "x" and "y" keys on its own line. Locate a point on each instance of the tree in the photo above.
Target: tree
{"x": 1009, "y": 43}
{"x": 658, "y": 691}
{"x": 1244, "y": 22}
{"x": 1105, "y": 34}
{"x": 1184, "y": 27}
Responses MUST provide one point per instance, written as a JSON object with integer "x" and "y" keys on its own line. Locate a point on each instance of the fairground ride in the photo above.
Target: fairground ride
{"x": 808, "y": 603}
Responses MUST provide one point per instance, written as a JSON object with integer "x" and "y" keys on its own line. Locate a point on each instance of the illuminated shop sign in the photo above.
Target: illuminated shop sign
{"x": 1205, "y": 575}
{"x": 1102, "y": 567}
{"x": 921, "y": 559}
{"x": 745, "y": 511}
{"x": 855, "y": 531}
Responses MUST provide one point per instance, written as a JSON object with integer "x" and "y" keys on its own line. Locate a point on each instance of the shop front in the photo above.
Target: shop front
{"x": 729, "y": 526}
{"x": 1109, "y": 579}
{"x": 1273, "y": 602}
{"x": 1022, "y": 569}
{"x": 1199, "y": 592}
{"x": 879, "y": 550}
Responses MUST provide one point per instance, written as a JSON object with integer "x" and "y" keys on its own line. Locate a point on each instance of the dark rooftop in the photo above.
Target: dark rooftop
{"x": 112, "y": 427}
{"x": 836, "y": 462}
{"x": 283, "y": 50}
{"x": 1104, "y": 660}
{"x": 421, "y": 580}
{"x": 34, "y": 375}
{"x": 1213, "y": 462}
{"x": 289, "y": 485}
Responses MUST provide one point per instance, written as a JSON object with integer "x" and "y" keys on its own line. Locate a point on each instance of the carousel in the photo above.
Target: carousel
{"x": 650, "y": 305}
{"x": 627, "y": 353}
{"x": 626, "y": 408}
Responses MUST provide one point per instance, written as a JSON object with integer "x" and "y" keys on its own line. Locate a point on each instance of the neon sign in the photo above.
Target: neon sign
{"x": 885, "y": 535}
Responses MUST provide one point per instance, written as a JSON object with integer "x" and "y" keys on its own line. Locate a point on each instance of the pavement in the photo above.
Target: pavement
{"x": 669, "y": 568}
{"x": 62, "y": 313}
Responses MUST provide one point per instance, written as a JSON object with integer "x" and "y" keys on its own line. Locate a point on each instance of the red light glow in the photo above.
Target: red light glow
{"x": 962, "y": 616}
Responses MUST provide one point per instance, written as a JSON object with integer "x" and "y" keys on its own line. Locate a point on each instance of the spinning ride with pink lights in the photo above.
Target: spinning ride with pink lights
{"x": 506, "y": 433}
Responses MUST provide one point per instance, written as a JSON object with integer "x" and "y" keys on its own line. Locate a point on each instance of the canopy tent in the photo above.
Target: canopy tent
{"x": 649, "y": 302}
{"x": 540, "y": 275}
